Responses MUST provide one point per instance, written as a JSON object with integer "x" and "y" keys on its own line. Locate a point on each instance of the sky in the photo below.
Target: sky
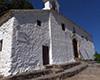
{"x": 85, "y": 13}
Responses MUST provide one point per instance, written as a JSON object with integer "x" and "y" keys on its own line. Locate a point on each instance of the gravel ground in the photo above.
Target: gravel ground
{"x": 91, "y": 73}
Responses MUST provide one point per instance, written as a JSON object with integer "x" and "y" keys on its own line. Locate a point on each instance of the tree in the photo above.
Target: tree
{"x": 3, "y": 6}
{"x": 21, "y": 4}
{"x": 14, "y": 4}
{"x": 2, "y": 1}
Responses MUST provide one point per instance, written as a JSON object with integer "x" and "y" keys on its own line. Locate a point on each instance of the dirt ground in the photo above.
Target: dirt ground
{"x": 91, "y": 73}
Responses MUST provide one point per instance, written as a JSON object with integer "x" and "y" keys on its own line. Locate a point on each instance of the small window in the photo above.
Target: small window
{"x": 82, "y": 36}
{"x": 1, "y": 42}
{"x": 63, "y": 27}
{"x": 74, "y": 31}
{"x": 38, "y": 22}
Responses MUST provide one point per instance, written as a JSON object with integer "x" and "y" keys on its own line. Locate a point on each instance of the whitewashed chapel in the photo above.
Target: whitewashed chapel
{"x": 30, "y": 39}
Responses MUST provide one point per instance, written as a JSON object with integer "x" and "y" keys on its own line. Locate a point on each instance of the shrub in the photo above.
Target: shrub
{"x": 97, "y": 57}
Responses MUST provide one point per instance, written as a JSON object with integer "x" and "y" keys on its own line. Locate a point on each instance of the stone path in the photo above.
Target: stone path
{"x": 91, "y": 73}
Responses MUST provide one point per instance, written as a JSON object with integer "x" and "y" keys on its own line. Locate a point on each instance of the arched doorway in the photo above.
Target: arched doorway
{"x": 75, "y": 49}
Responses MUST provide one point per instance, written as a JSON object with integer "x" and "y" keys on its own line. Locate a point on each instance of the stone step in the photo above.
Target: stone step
{"x": 62, "y": 75}
{"x": 64, "y": 66}
{"x": 49, "y": 71}
{"x": 30, "y": 75}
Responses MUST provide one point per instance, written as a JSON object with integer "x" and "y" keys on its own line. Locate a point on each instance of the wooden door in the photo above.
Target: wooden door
{"x": 75, "y": 48}
{"x": 45, "y": 54}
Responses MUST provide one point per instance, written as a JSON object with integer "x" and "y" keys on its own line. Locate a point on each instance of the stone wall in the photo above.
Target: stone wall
{"x": 86, "y": 49}
{"x": 62, "y": 49}
{"x": 6, "y": 31}
{"x": 28, "y": 39}
{"x": 73, "y": 26}
{"x": 23, "y": 40}
{"x": 85, "y": 44}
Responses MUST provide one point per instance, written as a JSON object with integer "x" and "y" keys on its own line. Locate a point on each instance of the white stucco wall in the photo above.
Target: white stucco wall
{"x": 6, "y": 31}
{"x": 47, "y": 5}
{"x": 23, "y": 41}
{"x": 62, "y": 49}
{"x": 28, "y": 39}
{"x": 62, "y": 41}
{"x": 85, "y": 47}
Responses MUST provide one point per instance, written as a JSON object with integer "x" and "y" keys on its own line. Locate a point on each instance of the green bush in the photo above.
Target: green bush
{"x": 97, "y": 57}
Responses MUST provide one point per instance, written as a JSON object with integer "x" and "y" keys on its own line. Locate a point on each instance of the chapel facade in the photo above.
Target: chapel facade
{"x": 31, "y": 39}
